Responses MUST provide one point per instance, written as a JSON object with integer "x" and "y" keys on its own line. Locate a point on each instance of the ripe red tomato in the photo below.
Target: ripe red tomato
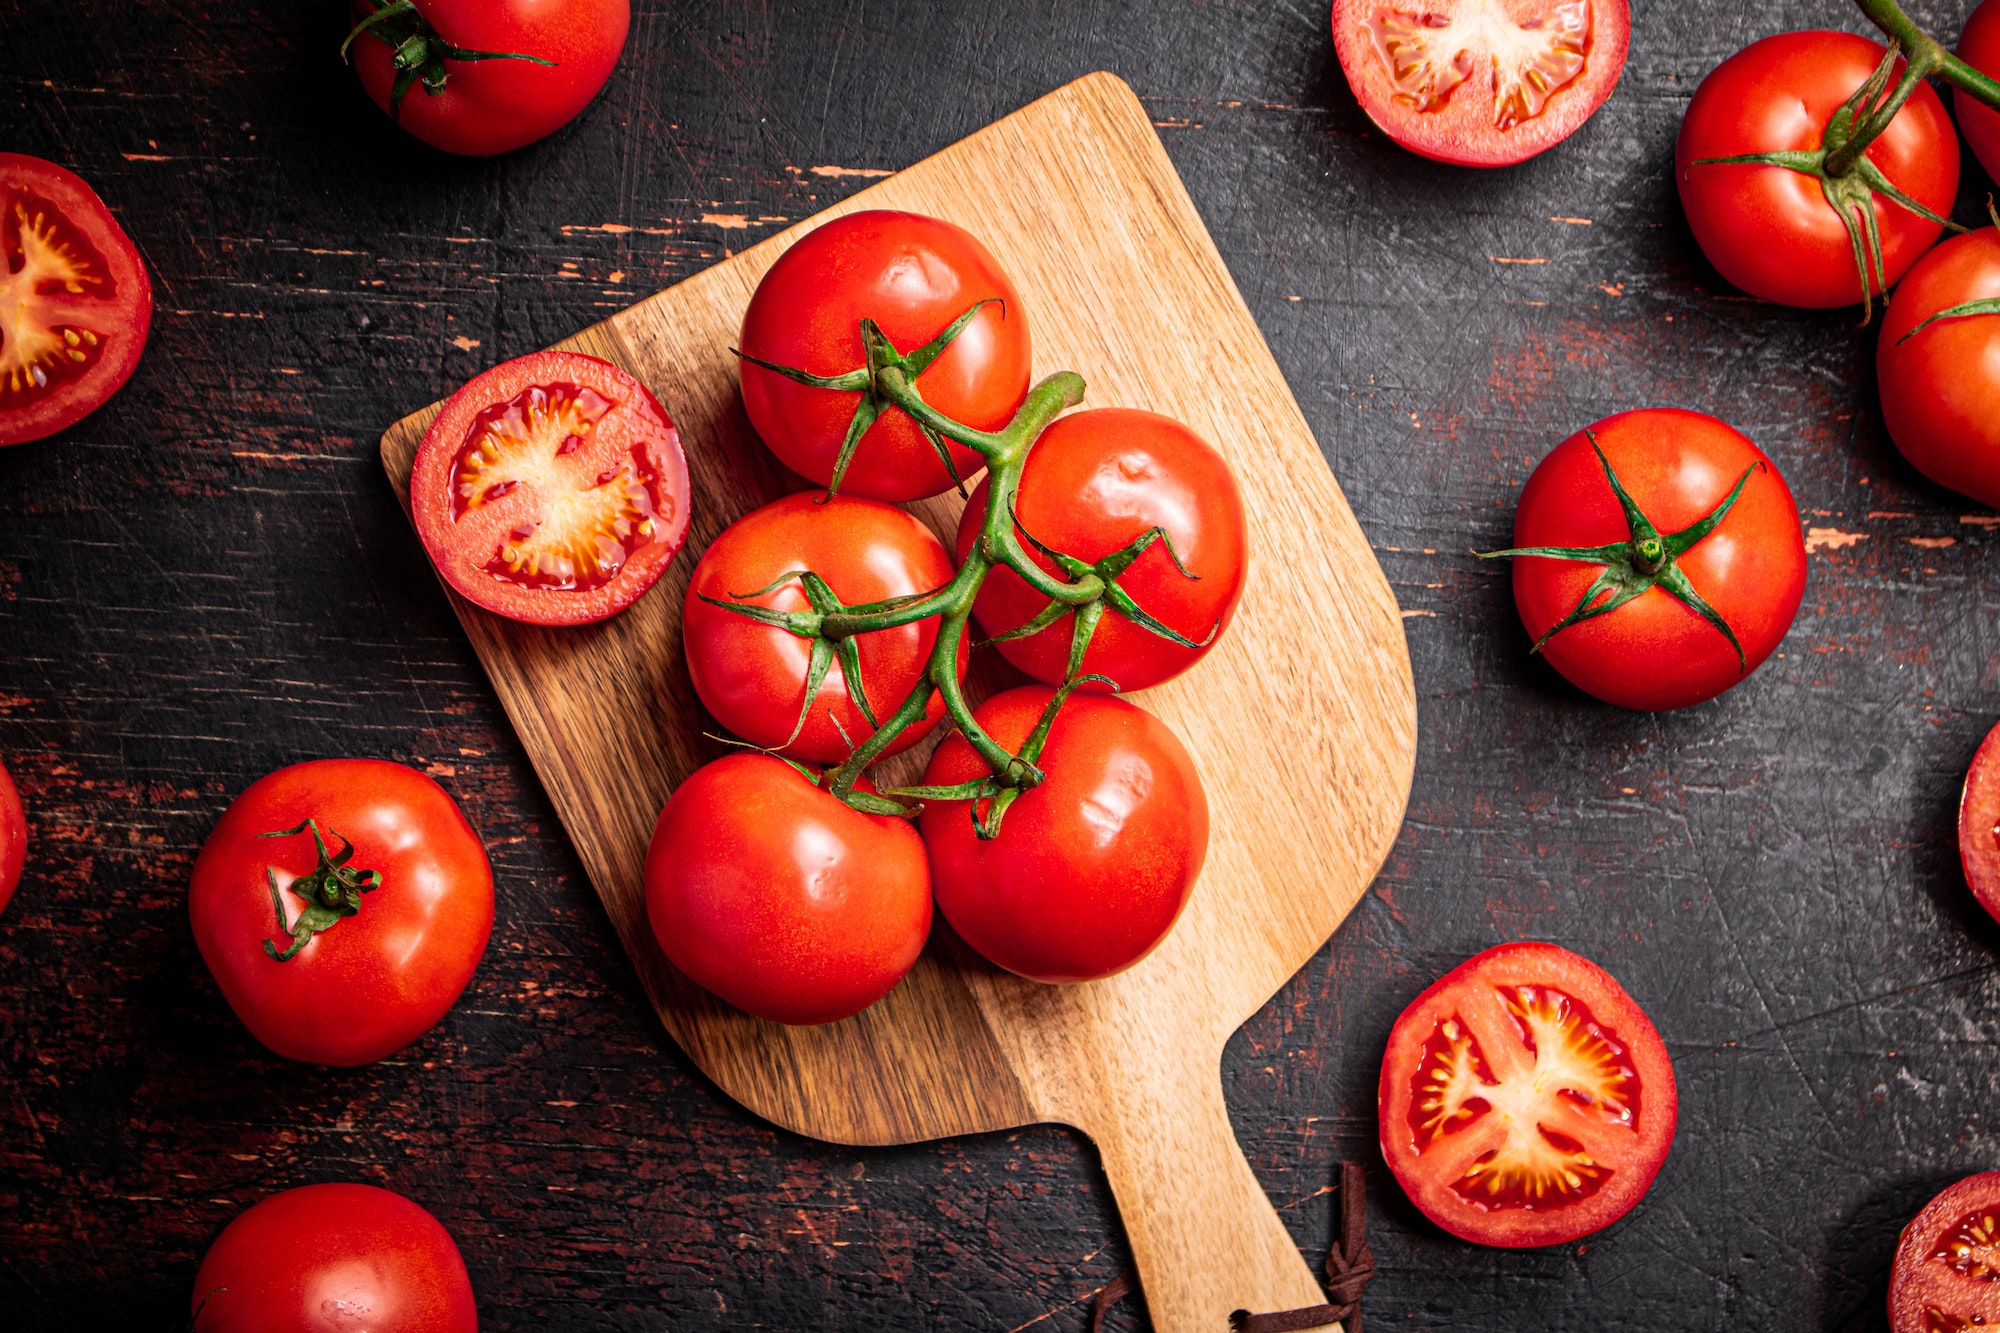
{"x": 1979, "y": 47}
{"x": 1656, "y": 651}
{"x": 551, "y": 489}
{"x": 753, "y": 676}
{"x": 13, "y": 837}
{"x": 1525, "y": 1099}
{"x": 334, "y": 1259}
{"x": 1941, "y": 385}
{"x": 1769, "y": 229}
{"x": 913, "y": 276}
{"x": 1946, "y": 1274}
{"x": 75, "y": 302}
{"x": 1093, "y": 483}
{"x": 1979, "y": 824}
{"x": 781, "y": 898}
{"x": 1532, "y": 71}
{"x": 321, "y": 964}
{"x": 490, "y": 106}
{"x": 1092, "y": 867}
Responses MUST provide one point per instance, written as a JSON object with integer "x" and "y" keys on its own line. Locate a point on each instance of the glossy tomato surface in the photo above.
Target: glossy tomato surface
{"x": 1946, "y": 1274}
{"x": 334, "y": 1259}
{"x": 551, "y": 489}
{"x": 1979, "y": 47}
{"x": 1941, "y": 384}
{"x": 1093, "y": 483}
{"x": 1979, "y": 824}
{"x": 1481, "y": 83}
{"x": 913, "y": 276}
{"x": 1093, "y": 866}
{"x": 491, "y": 106}
{"x": 370, "y": 983}
{"x": 1769, "y": 229}
{"x": 1654, "y": 652}
{"x": 1525, "y": 1098}
{"x": 753, "y": 676}
{"x": 780, "y": 897}
{"x": 13, "y": 837}
{"x": 75, "y": 301}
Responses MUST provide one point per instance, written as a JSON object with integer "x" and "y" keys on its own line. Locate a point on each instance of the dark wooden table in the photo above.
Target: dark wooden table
{"x": 209, "y": 579}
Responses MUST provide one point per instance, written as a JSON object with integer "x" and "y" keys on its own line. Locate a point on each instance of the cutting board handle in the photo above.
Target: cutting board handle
{"x": 1204, "y": 1236}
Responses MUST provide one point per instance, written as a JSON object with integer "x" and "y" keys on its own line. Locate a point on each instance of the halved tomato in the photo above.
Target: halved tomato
{"x": 1481, "y": 83}
{"x": 13, "y": 837}
{"x": 1946, "y": 1277}
{"x": 75, "y": 302}
{"x": 551, "y": 489}
{"x": 1979, "y": 824}
{"x": 1525, "y": 1099}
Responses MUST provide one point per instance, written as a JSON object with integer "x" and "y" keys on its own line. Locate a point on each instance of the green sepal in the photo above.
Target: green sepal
{"x": 1966, "y": 310}
{"x": 331, "y": 891}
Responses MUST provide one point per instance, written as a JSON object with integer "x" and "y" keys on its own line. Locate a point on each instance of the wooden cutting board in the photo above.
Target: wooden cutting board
{"x": 1302, "y": 718}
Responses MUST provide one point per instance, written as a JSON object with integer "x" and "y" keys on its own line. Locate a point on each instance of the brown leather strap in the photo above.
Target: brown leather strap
{"x": 1349, "y": 1265}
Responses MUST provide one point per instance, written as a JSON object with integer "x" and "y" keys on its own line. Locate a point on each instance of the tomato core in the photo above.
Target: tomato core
{"x": 1427, "y": 55}
{"x": 46, "y": 256}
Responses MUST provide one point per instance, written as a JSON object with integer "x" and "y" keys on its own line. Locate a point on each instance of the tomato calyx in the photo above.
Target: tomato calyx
{"x": 331, "y": 891}
{"x": 420, "y": 52}
{"x": 1646, "y": 560}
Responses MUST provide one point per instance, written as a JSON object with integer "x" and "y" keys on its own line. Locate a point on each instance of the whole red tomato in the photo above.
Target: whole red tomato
{"x": 334, "y": 1259}
{"x": 913, "y": 276}
{"x": 1658, "y": 650}
{"x": 13, "y": 837}
{"x": 488, "y": 106}
{"x": 342, "y": 956}
{"x": 75, "y": 301}
{"x": 1094, "y": 482}
{"x": 781, "y": 898}
{"x": 1979, "y": 47}
{"x": 1092, "y": 867}
{"x": 1769, "y": 229}
{"x": 753, "y": 676}
{"x": 1940, "y": 373}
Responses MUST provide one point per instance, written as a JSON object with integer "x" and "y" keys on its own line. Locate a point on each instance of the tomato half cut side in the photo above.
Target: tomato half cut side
{"x": 552, "y": 489}
{"x": 75, "y": 302}
{"x": 1979, "y": 824}
{"x": 1946, "y": 1275}
{"x": 1481, "y": 83}
{"x": 1526, "y": 1099}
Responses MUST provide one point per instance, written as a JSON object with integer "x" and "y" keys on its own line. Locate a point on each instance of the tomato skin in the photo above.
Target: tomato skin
{"x": 1654, "y": 653}
{"x": 1463, "y": 128}
{"x": 1941, "y": 388}
{"x": 1093, "y": 483}
{"x": 1092, "y": 867}
{"x": 376, "y": 981}
{"x": 1769, "y": 230}
{"x": 635, "y": 438}
{"x": 1979, "y": 47}
{"x": 1979, "y": 824}
{"x": 781, "y": 898}
{"x": 119, "y": 317}
{"x": 913, "y": 275}
{"x": 13, "y": 837}
{"x": 332, "y": 1259}
{"x": 494, "y": 106}
{"x": 752, "y": 677}
{"x": 1633, "y": 1149}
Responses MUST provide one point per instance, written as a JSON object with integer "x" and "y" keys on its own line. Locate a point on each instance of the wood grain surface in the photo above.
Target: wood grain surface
{"x": 1077, "y": 198}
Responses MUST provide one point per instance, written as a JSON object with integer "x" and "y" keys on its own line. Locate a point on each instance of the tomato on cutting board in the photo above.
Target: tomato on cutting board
{"x": 1481, "y": 83}
{"x": 1938, "y": 365}
{"x": 75, "y": 301}
{"x": 342, "y": 906}
{"x": 13, "y": 837}
{"x": 1946, "y": 1274}
{"x": 1525, "y": 1098}
{"x": 552, "y": 489}
{"x": 334, "y": 1259}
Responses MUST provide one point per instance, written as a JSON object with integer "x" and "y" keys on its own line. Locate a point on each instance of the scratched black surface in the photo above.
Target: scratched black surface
{"x": 209, "y": 579}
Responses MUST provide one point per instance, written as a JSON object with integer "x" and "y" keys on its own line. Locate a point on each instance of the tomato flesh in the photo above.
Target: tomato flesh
{"x": 1946, "y": 1274}
{"x": 1525, "y": 1099}
{"x": 1979, "y": 824}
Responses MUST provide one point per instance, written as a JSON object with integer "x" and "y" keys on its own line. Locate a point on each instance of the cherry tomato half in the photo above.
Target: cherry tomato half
{"x": 1946, "y": 1274}
{"x": 913, "y": 276}
{"x": 551, "y": 489}
{"x": 1940, "y": 377}
{"x": 1979, "y": 824}
{"x": 1656, "y": 651}
{"x": 334, "y": 1259}
{"x": 781, "y": 898}
{"x": 1525, "y": 1099}
{"x": 1769, "y": 229}
{"x": 491, "y": 106}
{"x": 1094, "y": 482}
{"x": 753, "y": 676}
{"x": 1093, "y": 866}
{"x": 1478, "y": 82}
{"x": 343, "y": 958}
{"x": 75, "y": 301}
{"x": 1979, "y": 47}
{"x": 13, "y": 837}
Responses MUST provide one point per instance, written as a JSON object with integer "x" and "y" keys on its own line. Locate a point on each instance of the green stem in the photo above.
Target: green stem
{"x": 1924, "y": 50}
